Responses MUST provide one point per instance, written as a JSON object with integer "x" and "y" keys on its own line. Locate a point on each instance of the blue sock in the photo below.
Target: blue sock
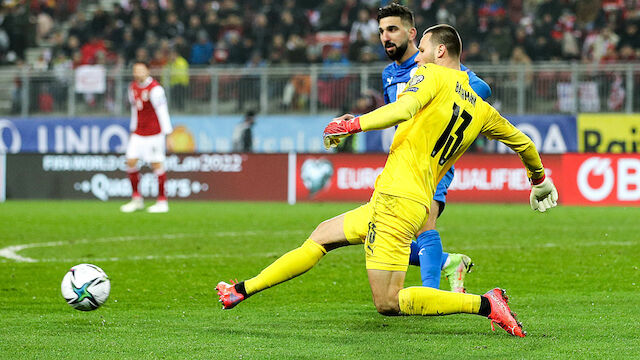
{"x": 413, "y": 257}
{"x": 430, "y": 255}
{"x": 445, "y": 256}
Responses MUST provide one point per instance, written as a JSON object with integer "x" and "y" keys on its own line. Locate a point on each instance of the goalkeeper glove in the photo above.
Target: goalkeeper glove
{"x": 340, "y": 127}
{"x": 543, "y": 194}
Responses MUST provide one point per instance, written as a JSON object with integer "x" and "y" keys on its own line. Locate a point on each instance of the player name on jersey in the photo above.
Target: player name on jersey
{"x": 465, "y": 95}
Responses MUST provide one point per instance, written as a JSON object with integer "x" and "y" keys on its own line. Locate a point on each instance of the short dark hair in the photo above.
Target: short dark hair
{"x": 447, "y": 35}
{"x": 145, "y": 63}
{"x": 395, "y": 9}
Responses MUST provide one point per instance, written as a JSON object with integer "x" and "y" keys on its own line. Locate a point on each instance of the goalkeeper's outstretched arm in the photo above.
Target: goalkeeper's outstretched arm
{"x": 543, "y": 193}
{"x": 381, "y": 118}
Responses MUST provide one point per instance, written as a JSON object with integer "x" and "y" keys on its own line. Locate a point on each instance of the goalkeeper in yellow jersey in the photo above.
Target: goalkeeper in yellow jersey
{"x": 438, "y": 117}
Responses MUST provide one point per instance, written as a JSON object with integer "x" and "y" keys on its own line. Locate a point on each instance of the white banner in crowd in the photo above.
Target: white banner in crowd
{"x": 91, "y": 79}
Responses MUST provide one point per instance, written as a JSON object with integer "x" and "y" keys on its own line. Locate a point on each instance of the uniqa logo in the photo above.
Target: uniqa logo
{"x": 16, "y": 139}
{"x": 598, "y": 167}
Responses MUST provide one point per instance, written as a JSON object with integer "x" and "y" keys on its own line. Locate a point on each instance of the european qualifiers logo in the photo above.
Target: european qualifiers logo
{"x": 315, "y": 174}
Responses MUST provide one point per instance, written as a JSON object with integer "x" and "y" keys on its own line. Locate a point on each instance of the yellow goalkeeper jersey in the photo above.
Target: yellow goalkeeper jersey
{"x": 447, "y": 118}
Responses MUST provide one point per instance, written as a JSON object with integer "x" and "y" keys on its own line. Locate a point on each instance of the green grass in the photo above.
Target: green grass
{"x": 572, "y": 275}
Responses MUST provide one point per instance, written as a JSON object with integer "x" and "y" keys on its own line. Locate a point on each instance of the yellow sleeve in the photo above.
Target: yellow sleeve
{"x": 390, "y": 115}
{"x": 420, "y": 90}
{"x": 499, "y": 128}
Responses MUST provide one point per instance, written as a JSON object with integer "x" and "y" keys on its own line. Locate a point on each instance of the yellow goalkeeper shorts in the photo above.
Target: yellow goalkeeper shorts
{"x": 386, "y": 224}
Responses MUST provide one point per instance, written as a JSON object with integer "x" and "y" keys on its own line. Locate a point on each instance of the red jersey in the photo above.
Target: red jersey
{"x": 147, "y": 122}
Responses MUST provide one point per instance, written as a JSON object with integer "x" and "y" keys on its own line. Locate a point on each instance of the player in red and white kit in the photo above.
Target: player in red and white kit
{"x": 150, "y": 124}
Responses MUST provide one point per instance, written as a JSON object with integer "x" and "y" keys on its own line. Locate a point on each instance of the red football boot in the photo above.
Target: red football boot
{"x": 228, "y": 295}
{"x": 501, "y": 314}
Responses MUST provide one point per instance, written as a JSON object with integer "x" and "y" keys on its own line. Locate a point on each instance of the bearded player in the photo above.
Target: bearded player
{"x": 150, "y": 124}
{"x": 397, "y": 34}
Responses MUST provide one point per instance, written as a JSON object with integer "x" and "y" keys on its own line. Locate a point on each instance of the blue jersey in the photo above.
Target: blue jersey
{"x": 395, "y": 77}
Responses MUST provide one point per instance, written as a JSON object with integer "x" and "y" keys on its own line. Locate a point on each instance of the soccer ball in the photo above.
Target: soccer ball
{"x": 85, "y": 287}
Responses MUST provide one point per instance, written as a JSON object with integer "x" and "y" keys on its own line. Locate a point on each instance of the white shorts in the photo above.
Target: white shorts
{"x": 146, "y": 148}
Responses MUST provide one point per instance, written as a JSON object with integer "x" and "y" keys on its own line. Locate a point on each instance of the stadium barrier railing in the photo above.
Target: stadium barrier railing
{"x": 545, "y": 88}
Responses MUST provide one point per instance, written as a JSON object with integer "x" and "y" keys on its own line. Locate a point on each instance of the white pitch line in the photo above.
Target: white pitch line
{"x": 11, "y": 252}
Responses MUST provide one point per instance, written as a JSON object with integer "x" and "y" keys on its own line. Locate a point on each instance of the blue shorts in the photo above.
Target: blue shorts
{"x": 441, "y": 189}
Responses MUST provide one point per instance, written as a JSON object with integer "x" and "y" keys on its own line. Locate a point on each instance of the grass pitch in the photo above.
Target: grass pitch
{"x": 572, "y": 275}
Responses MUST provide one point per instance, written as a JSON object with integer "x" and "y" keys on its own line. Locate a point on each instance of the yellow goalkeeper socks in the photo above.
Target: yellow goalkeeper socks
{"x": 420, "y": 300}
{"x": 289, "y": 265}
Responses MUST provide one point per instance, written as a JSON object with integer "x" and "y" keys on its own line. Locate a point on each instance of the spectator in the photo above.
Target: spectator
{"x": 242, "y": 134}
{"x": 596, "y": 45}
{"x": 571, "y": 29}
{"x": 364, "y": 26}
{"x": 155, "y": 26}
{"x": 627, "y": 54}
{"x": 278, "y": 50}
{"x": 500, "y": 39}
{"x": 159, "y": 60}
{"x": 194, "y": 28}
{"x": 129, "y": 46}
{"x": 189, "y": 9}
{"x": 202, "y": 50}
{"x": 260, "y": 33}
{"x": 525, "y": 41}
{"x": 237, "y": 54}
{"x": 99, "y": 21}
{"x": 178, "y": 70}
{"x": 286, "y": 26}
{"x": 520, "y": 58}
{"x": 183, "y": 48}
{"x": 330, "y": 13}
{"x": 173, "y": 27}
{"x": 229, "y": 8}
{"x": 45, "y": 25}
{"x": 137, "y": 28}
{"x": 90, "y": 49}
{"x": 212, "y": 25}
{"x": 630, "y": 37}
{"x": 474, "y": 54}
{"x": 546, "y": 50}
{"x": 78, "y": 27}
{"x": 367, "y": 55}
{"x": 296, "y": 50}
{"x": 142, "y": 55}
{"x": 118, "y": 14}
{"x": 356, "y": 46}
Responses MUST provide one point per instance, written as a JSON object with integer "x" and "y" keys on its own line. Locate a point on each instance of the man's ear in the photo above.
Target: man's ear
{"x": 442, "y": 50}
{"x": 413, "y": 33}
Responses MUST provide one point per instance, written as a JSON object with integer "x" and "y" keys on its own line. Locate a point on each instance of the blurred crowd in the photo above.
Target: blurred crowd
{"x": 258, "y": 32}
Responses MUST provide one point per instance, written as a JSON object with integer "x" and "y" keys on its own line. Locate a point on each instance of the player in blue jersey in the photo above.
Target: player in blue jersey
{"x": 397, "y": 34}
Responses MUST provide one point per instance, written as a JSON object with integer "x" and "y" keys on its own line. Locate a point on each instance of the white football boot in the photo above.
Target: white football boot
{"x": 134, "y": 205}
{"x": 161, "y": 206}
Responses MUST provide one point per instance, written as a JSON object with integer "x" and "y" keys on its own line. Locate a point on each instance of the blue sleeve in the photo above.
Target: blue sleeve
{"x": 385, "y": 94}
{"x": 477, "y": 84}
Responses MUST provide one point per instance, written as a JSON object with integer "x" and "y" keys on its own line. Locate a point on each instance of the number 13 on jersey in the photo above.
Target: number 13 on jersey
{"x": 448, "y": 141}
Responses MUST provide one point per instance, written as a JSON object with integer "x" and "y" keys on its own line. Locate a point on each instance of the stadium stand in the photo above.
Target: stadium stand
{"x": 46, "y": 33}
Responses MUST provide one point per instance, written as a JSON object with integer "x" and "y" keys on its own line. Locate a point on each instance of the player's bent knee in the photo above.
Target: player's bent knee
{"x": 387, "y": 305}
{"x": 388, "y": 308}
{"x": 329, "y": 234}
